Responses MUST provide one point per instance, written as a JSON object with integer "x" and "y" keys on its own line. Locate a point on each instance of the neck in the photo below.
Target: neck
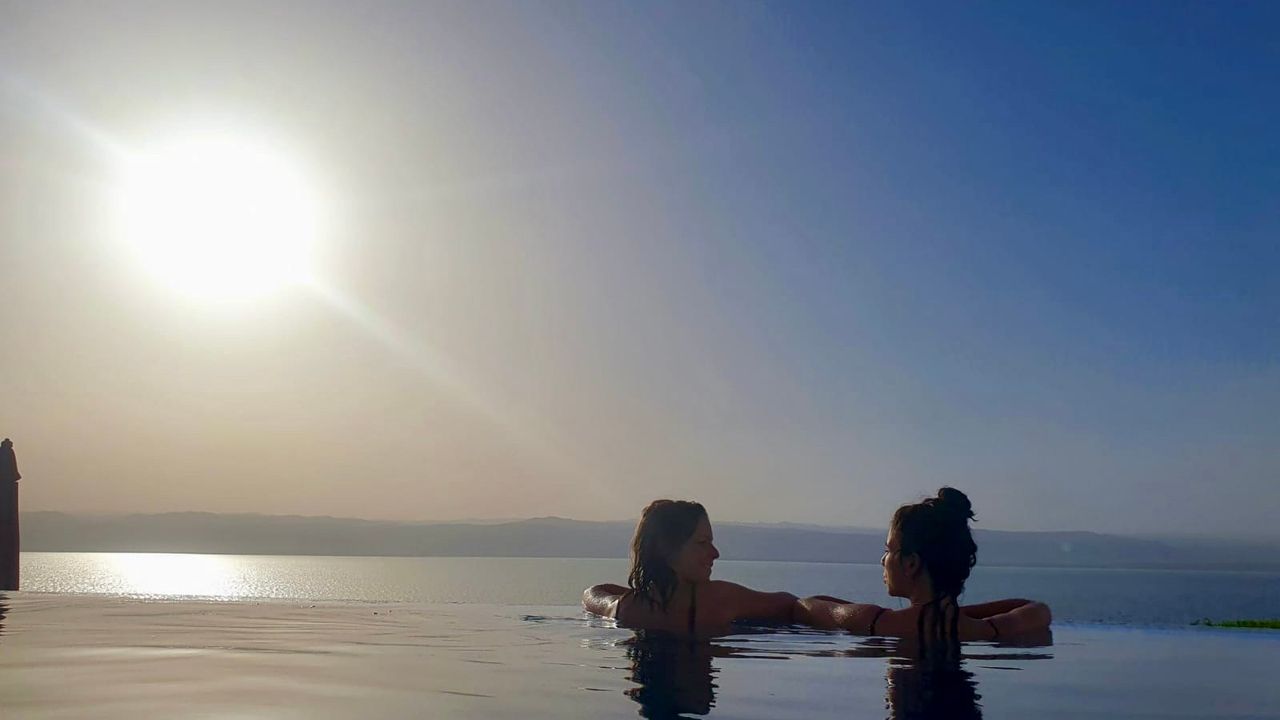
{"x": 680, "y": 594}
{"x": 923, "y": 592}
{"x": 680, "y": 590}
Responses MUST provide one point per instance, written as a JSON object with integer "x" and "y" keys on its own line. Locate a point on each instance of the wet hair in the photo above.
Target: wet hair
{"x": 664, "y": 527}
{"x": 937, "y": 531}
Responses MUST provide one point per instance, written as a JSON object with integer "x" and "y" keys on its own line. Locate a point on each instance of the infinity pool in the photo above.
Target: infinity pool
{"x": 67, "y": 656}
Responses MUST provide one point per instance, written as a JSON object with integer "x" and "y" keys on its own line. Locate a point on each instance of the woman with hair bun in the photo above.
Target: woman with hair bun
{"x": 927, "y": 558}
{"x": 670, "y": 586}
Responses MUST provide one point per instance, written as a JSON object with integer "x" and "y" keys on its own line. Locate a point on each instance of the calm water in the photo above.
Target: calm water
{"x": 113, "y": 635}
{"x": 109, "y": 657}
{"x": 1145, "y": 598}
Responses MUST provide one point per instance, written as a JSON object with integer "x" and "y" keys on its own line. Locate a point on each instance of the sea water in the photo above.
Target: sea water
{"x": 1131, "y": 597}
{"x": 109, "y": 657}
{"x": 142, "y": 636}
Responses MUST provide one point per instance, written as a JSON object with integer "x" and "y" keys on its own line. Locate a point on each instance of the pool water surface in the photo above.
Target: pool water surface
{"x": 110, "y": 657}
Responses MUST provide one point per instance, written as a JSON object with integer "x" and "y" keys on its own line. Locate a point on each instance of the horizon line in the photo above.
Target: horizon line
{"x": 817, "y": 527}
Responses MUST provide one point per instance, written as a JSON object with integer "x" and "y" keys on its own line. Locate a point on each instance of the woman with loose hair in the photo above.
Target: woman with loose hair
{"x": 670, "y": 586}
{"x": 927, "y": 558}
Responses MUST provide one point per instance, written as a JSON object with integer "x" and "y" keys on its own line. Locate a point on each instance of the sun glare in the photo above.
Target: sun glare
{"x": 174, "y": 574}
{"x": 217, "y": 216}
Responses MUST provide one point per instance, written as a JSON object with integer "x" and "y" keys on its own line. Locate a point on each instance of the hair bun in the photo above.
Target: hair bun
{"x": 953, "y": 501}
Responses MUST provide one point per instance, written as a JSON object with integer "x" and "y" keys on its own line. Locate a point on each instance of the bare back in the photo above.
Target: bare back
{"x": 986, "y": 621}
{"x": 906, "y": 623}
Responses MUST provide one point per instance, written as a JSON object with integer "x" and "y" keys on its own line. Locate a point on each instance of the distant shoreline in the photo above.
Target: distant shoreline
{"x": 239, "y": 534}
{"x": 1246, "y": 570}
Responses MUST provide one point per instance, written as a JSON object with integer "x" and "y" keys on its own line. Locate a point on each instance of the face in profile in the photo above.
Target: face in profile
{"x": 897, "y": 571}
{"x": 693, "y": 561}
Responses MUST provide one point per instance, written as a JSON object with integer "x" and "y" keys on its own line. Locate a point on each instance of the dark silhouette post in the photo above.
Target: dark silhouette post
{"x": 9, "y": 535}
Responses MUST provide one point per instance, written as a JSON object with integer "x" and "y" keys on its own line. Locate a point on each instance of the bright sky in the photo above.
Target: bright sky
{"x": 802, "y": 262}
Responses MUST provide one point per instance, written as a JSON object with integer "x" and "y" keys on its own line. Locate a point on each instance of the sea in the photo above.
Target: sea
{"x": 128, "y": 636}
{"x": 1167, "y": 598}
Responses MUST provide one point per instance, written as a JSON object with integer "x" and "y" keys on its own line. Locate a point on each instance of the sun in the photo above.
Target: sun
{"x": 217, "y": 216}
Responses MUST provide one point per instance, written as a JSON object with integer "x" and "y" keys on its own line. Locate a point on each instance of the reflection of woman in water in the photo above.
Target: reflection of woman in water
{"x": 929, "y": 690}
{"x": 670, "y": 586}
{"x": 672, "y": 675}
{"x": 927, "y": 558}
{"x": 9, "y": 536}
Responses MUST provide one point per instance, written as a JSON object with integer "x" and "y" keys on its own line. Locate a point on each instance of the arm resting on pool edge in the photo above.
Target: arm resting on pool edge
{"x": 825, "y": 614}
{"x": 982, "y": 611}
{"x": 602, "y": 599}
{"x": 1028, "y": 618}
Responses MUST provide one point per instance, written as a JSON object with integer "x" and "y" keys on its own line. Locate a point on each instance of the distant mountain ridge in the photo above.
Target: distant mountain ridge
{"x": 559, "y": 537}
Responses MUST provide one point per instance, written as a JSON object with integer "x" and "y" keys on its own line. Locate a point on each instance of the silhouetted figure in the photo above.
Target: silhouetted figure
{"x": 9, "y": 535}
{"x": 927, "y": 559}
{"x": 672, "y": 553}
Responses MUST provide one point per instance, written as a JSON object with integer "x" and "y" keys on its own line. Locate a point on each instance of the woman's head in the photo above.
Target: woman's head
{"x": 930, "y": 541}
{"x": 673, "y": 542}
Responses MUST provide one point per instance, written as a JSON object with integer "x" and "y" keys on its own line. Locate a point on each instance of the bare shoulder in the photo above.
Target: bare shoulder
{"x": 625, "y": 610}
{"x": 722, "y": 599}
{"x": 859, "y": 617}
{"x": 732, "y": 601}
{"x": 723, "y": 589}
{"x": 892, "y": 623}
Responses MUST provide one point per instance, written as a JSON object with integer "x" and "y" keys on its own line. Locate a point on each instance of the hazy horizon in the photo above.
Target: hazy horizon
{"x": 1262, "y": 536}
{"x": 275, "y": 535}
{"x": 802, "y": 263}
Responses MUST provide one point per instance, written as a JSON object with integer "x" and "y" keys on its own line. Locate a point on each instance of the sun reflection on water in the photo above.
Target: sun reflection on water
{"x": 175, "y": 574}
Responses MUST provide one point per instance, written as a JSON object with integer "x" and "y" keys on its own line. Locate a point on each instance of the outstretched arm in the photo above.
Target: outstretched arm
{"x": 982, "y": 611}
{"x": 1029, "y": 617}
{"x": 826, "y": 614}
{"x": 602, "y": 599}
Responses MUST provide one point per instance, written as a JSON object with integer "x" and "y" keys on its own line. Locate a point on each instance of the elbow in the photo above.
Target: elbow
{"x": 1035, "y": 616}
{"x": 1046, "y": 615}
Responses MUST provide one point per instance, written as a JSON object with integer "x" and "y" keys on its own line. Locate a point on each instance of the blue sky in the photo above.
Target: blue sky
{"x": 985, "y": 224}
{"x": 800, "y": 261}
